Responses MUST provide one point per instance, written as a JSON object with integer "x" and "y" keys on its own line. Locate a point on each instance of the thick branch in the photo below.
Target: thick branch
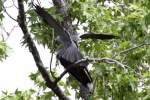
{"x": 22, "y": 23}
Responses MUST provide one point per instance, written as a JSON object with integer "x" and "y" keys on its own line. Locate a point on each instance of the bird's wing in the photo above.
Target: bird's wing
{"x": 98, "y": 36}
{"x": 68, "y": 57}
{"x": 63, "y": 35}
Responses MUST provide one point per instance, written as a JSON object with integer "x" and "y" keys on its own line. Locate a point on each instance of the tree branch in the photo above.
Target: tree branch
{"x": 107, "y": 60}
{"x": 99, "y": 60}
{"x": 14, "y": 4}
{"x": 8, "y": 13}
{"x": 71, "y": 66}
{"x": 8, "y": 33}
{"x": 52, "y": 54}
{"x": 130, "y": 49}
{"x": 32, "y": 48}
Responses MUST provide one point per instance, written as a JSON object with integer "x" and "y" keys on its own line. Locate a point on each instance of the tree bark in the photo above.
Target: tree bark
{"x": 62, "y": 8}
{"x": 32, "y": 48}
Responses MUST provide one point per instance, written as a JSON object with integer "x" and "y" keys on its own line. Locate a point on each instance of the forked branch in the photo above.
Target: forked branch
{"x": 97, "y": 60}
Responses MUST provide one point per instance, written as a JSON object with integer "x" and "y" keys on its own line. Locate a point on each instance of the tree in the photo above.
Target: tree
{"x": 120, "y": 67}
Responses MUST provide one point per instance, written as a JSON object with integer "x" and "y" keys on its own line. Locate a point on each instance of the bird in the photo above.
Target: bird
{"x": 70, "y": 53}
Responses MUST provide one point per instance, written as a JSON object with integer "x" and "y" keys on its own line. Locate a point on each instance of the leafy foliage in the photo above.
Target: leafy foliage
{"x": 3, "y": 50}
{"x": 132, "y": 49}
{"x": 1, "y": 9}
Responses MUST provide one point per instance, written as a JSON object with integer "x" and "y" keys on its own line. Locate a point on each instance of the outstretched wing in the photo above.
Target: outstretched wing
{"x": 98, "y": 36}
{"x": 63, "y": 35}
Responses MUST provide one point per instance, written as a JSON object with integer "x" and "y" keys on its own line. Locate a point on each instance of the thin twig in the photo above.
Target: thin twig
{"x": 52, "y": 53}
{"x": 71, "y": 66}
{"x": 9, "y": 14}
{"x": 9, "y": 6}
{"x": 107, "y": 60}
{"x": 39, "y": 2}
{"x": 51, "y": 60}
{"x": 130, "y": 49}
{"x": 9, "y": 33}
{"x": 98, "y": 60}
{"x": 77, "y": 23}
{"x": 61, "y": 76}
{"x": 14, "y": 4}
{"x": 2, "y": 37}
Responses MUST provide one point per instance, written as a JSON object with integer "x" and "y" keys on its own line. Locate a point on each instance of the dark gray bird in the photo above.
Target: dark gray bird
{"x": 70, "y": 53}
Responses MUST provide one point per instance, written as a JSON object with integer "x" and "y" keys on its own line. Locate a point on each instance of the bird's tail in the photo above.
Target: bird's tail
{"x": 83, "y": 76}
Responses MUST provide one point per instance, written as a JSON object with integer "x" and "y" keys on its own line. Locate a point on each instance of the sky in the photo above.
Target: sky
{"x": 14, "y": 71}
{"x": 16, "y": 68}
